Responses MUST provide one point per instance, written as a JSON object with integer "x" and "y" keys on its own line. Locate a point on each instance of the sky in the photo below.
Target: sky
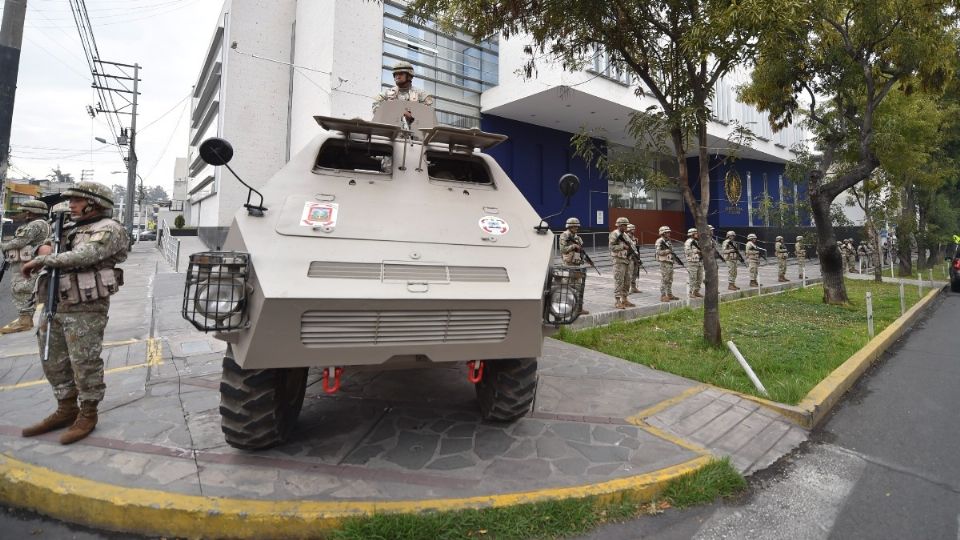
{"x": 51, "y": 127}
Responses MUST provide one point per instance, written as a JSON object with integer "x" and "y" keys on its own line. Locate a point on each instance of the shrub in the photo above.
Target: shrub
{"x": 179, "y": 222}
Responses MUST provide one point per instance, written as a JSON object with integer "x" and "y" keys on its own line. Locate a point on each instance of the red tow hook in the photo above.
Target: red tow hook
{"x": 475, "y": 371}
{"x": 337, "y": 371}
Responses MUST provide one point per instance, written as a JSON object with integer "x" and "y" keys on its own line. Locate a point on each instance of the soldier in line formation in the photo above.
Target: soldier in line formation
{"x": 801, "y": 253}
{"x": 634, "y": 264}
{"x": 694, "y": 256}
{"x": 21, "y": 249}
{"x": 664, "y": 253}
{"x": 620, "y": 250}
{"x": 729, "y": 250}
{"x": 91, "y": 247}
{"x": 571, "y": 249}
{"x": 849, "y": 254}
{"x": 752, "y": 254}
{"x": 780, "y": 250}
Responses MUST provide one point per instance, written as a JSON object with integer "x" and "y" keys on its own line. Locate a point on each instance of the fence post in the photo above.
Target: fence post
{"x": 891, "y": 267}
{"x": 919, "y": 284}
{"x": 746, "y": 367}
{"x": 903, "y": 301}
{"x": 931, "y": 278}
{"x": 870, "y": 314}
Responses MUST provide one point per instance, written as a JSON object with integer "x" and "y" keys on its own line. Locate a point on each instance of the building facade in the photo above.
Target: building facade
{"x": 272, "y": 65}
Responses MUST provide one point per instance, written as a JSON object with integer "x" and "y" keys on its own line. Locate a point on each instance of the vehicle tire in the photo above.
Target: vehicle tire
{"x": 955, "y": 285}
{"x": 259, "y": 407}
{"x": 507, "y": 388}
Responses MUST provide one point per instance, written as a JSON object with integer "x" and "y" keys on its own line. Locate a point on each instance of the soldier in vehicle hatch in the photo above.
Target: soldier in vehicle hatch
{"x": 404, "y": 90}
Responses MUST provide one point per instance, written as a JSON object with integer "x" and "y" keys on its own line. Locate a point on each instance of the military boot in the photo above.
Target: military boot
{"x": 628, "y": 303}
{"x": 84, "y": 424}
{"x": 782, "y": 280}
{"x": 20, "y": 324}
{"x": 664, "y": 298}
{"x": 634, "y": 290}
{"x": 65, "y": 415}
{"x": 697, "y": 294}
{"x": 754, "y": 284}
{"x": 584, "y": 311}
{"x": 619, "y": 304}
{"x": 732, "y": 287}
{"x": 672, "y": 297}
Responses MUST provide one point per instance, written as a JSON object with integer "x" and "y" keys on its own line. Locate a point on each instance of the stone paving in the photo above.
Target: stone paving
{"x": 386, "y": 435}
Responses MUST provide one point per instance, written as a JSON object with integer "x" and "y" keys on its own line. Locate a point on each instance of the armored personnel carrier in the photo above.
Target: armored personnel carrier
{"x": 381, "y": 245}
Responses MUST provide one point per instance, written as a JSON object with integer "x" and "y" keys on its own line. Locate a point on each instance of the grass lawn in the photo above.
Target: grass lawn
{"x": 791, "y": 340}
{"x": 555, "y": 519}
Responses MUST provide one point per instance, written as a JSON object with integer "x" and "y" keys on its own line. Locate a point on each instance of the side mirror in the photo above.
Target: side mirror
{"x": 216, "y": 151}
{"x": 569, "y": 184}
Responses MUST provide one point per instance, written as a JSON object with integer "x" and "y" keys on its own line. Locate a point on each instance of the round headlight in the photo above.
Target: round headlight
{"x": 219, "y": 299}
{"x": 562, "y": 303}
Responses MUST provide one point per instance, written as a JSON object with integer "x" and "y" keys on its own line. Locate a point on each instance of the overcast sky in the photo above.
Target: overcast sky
{"x": 50, "y": 123}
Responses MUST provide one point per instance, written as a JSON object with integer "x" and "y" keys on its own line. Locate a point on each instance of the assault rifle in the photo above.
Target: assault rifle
{"x": 632, "y": 253}
{"x": 53, "y": 286}
{"x": 589, "y": 261}
{"x": 3, "y": 268}
{"x": 733, "y": 244}
{"x": 674, "y": 255}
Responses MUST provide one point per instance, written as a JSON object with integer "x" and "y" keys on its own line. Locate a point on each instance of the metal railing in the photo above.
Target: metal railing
{"x": 169, "y": 246}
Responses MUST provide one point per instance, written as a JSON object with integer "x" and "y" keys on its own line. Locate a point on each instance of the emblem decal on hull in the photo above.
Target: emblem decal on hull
{"x": 494, "y": 225}
{"x": 319, "y": 214}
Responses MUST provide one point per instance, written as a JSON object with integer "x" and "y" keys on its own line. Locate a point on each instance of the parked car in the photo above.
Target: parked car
{"x": 147, "y": 235}
{"x": 955, "y": 269}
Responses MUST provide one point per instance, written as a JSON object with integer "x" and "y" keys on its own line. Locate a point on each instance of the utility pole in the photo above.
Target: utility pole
{"x": 11, "y": 38}
{"x": 132, "y": 157}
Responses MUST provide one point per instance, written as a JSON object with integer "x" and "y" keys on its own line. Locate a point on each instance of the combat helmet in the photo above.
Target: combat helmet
{"x": 731, "y": 234}
{"x": 631, "y": 227}
{"x": 403, "y": 67}
{"x": 779, "y": 239}
{"x": 97, "y": 194}
{"x": 622, "y": 221}
{"x": 60, "y": 207}
{"x": 573, "y": 222}
{"x": 751, "y": 236}
{"x": 34, "y": 207}
{"x": 663, "y": 230}
{"x": 799, "y": 239}
{"x": 691, "y": 230}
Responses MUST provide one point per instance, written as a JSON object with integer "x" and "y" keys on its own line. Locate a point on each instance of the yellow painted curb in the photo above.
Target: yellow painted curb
{"x": 815, "y": 406}
{"x": 156, "y": 512}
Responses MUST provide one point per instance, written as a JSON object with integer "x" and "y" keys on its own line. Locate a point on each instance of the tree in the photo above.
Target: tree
{"x": 56, "y": 175}
{"x": 677, "y": 50}
{"x": 156, "y": 194}
{"x": 854, "y": 53}
{"x": 179, "y": 222}
{"x": 119, "y": 193}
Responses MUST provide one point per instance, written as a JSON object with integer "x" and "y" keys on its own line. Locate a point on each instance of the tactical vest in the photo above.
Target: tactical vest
{"x": 100, "y": 279}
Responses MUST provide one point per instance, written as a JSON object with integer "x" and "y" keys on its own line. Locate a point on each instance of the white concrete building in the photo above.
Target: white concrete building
{"x": 274, "y": 64}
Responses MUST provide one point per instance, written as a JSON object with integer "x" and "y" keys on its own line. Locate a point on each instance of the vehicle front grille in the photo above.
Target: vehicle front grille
{"x": 405, "y": 273}
{"x": 434, "y": 327}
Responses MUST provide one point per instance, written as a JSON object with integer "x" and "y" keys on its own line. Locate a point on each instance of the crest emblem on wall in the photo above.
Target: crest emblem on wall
{"x": 733, "y": 187}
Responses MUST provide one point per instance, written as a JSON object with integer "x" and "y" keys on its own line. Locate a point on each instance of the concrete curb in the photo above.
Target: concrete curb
{"x": 144, "y": 511}
{"x": 815, "y": 406}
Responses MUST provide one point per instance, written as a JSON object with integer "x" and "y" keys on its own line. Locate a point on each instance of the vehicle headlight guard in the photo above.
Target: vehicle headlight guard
{"x": 216, "y": 290}
{"x": 563, "y": 294}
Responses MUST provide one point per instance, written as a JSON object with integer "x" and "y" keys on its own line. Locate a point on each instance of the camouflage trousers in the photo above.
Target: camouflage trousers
{"x": 634, "y": 273}
{"x": 799, "y": 267}
{"x": 851, "y": 263}
{"x": 695, "y": 270}
{"x": 621, "y": 278}
{"x": 754, "y": 268}
{"x": 782, "y": 267}
{"x": 21, "y": 289}
{"x": 666, "y": 278}
{"x": 732, "y": 271}
{"x": 74, "y": 366}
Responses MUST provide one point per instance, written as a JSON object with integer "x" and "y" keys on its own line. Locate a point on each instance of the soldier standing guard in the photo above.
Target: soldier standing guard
{"x": 571, "y": 248}
{"x": 780, "y": 250}
{"x": 634, "y": 264}
{"x": 752, "y": 252}
{"x": 404, "y": 90}
{"x": 851, "y": 257}
{"x": 801, "y": 252}
{"x": 729, "y": 249}
{"x": 18, "y": 250}
{"x": 691, "y": 248}
{"x": 620, "y": 251}
{"x": 665, "y": 257}
{"x": 90, "y": 250}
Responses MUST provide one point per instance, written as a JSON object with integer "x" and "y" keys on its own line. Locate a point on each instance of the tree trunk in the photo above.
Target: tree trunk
{"x": 831, "y": 263}
{"x": 905, "y": 228}
{"x": 874, "y": 242}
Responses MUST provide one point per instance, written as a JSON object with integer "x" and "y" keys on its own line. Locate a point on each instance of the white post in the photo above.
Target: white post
{"x": 919, "y": 284}
{"x": 860, "y": 266}
{"x": 870, "y": 314}
{"x": 891, "y": 267}
{"x": 746, "y": 367}
{"x": 688, "y": 294}
{"x": 903, "y": 301}
{"x": 931, "y": 278}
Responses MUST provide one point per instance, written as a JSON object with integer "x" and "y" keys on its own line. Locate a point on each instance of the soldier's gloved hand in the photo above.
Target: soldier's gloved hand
{"x": 44, "y": 250}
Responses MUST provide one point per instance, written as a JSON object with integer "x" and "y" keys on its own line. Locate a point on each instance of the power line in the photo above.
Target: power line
{"x": 167, "y": 145}
{"x": 157, "y": 119}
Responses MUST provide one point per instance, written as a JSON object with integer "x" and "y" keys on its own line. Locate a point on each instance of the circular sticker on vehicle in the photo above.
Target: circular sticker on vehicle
{"x": 494, "y": 225}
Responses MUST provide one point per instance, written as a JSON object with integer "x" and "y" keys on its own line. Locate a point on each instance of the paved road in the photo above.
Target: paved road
{"x": 885, "y": 465}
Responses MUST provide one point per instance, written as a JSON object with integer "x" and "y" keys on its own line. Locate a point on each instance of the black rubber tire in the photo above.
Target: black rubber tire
{"x": 259, "y": 407}
{"x": 955, "y": 285}
{"x": 507, "y": 388}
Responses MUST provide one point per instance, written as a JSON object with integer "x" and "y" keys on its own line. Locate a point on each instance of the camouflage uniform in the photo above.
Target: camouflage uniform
{"x": 729, "y": 249}
{"x": 780, "y": 250}
{"x": 752, "y": 254}
{"x": 398, "y": 94}
{"x": 864, "y": 255}
{"x": 90, "y": 248}
{"x": 18, "y": 250}
{"x": 634, "y": 267}
{"x": 801, "y": 256}
{"x": 851, "y": 256}
{"x": 694, "y": 256}
{"x": 664, "y": 251}
{"x": 621, "y": 262}
{"x": 570, "y": 246}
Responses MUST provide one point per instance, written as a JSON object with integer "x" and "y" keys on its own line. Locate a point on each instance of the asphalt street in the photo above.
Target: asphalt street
{"x": 884, "y": 465}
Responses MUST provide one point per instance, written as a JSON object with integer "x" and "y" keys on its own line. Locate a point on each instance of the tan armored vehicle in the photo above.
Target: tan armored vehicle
{"x": 380, "y": 245}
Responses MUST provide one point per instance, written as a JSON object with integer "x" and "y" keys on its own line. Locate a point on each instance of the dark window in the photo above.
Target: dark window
{"x": 458, "y": 168}
{"x": 355, "y": 156}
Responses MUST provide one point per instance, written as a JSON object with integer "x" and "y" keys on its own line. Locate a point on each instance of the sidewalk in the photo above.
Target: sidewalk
{"x": 388, "y": 441}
